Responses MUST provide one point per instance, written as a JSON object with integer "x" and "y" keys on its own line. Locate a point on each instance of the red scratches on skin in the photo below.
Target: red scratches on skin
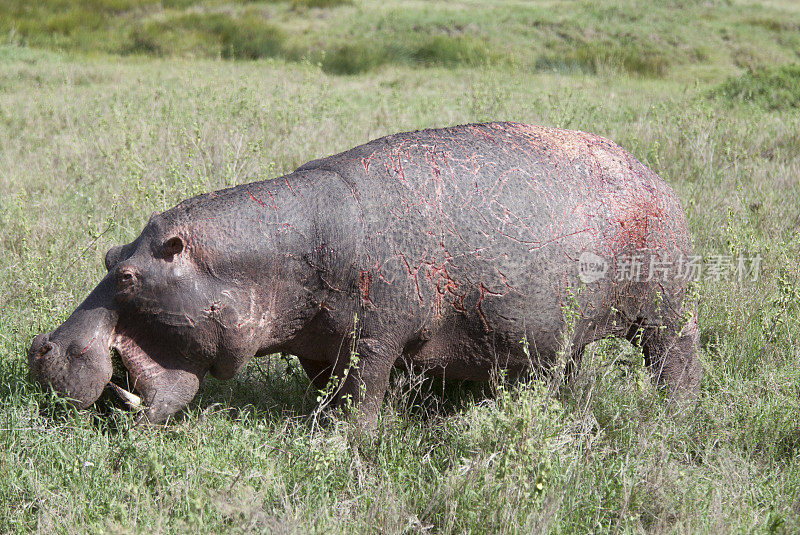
{"x": 290, "y": 187}
{"x": 395, "y": 161}
{"x": 379, "y": 270}
{"x": 364, "y": 283}
{"x": 634, "y": 227}
{"x": 489, "y": 190}
{"x": 259, "y": 201}
{"x": 366, "y": 161}
{"x": 85, "y": 349}
{"x": 477, "y": 131}
{"x": 639, "y": 222}
{"x": 412, "y": 272}
{"x": 443, "y": 285}
{"x": 274, "y": 206}
{"x": 484, "y": 291}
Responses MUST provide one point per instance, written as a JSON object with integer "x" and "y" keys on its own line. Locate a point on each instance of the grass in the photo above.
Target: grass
{"x": 91, "y": 143}
{"x": 210, "y": 34}
{"x": 774, "y": 89}
{"x": 679, "y": 40}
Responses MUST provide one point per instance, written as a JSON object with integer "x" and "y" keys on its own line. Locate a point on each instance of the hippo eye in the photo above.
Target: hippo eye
{"x": 173, "y": 246}
{"x": 78, "y": 350}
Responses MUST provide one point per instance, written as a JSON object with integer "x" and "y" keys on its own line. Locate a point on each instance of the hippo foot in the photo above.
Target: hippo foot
{"x": 166, "y": 394}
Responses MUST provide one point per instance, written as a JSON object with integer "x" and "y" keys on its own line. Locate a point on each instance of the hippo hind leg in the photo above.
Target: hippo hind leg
{"x": 672, "y": 356}
{"x": 365, "y": 380}
{"x": 318, "y": 372}
{"x": 573, "y": 365}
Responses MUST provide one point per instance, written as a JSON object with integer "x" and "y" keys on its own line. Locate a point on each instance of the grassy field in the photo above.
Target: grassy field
{"x": 104, "y": 120}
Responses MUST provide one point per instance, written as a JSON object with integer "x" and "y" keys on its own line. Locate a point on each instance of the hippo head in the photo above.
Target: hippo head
{"x": 165, "y": 310}
{"x": 75, "y": 358}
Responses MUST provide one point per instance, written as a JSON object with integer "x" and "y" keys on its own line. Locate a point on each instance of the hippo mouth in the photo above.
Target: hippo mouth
{"x": 122, "y": 384}
{"x": 78, "y": 358}
{"x": 130, "y": 400}
{"x": 134, "y": 366}
{"x": 157, "y": 376}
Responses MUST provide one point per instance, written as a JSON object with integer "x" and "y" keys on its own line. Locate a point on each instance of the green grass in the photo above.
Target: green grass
{"x": 772, "y": 89}
{"x": 678, "y": 40}
{"x": 320, "y": 3}
{"x": 92, "y": 142}
{"x": 243, "y": 37}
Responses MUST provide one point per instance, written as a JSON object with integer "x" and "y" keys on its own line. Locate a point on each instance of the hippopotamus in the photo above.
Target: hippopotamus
{"x": 460, "y": 251}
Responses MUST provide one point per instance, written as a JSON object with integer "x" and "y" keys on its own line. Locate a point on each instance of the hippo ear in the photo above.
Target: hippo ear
{"x": 113, "y": 256}
{"x": 173, "y": 246}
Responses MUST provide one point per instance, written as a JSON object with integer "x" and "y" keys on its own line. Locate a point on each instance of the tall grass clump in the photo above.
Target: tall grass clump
{"x": 356, "y": 57}
{"x": 246, "y": 36}
{"x": 451, "y": 51}
{"x": 626, "y": 55}
{"x": 320, "y": 3}
{"x": 439, "y": 50}
{"x": 776, "y": 88}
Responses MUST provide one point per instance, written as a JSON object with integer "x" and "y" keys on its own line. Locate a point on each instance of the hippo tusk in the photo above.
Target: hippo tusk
{"x": 132, "y": 401}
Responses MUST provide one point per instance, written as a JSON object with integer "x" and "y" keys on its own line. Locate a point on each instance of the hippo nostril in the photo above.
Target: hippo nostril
{"x": 40, "y": 346}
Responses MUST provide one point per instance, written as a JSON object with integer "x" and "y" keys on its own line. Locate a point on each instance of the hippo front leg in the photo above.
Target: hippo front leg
{"x": 672, "y": 354}
{"x": 675, "y": 362}
{"x": 166, "y": 384}
{"x": 165, "y": 394}
{"x": 365, "y": 380}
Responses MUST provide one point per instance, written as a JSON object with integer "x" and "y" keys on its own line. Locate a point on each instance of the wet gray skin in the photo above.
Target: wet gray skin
{"x": 449, "y": 246}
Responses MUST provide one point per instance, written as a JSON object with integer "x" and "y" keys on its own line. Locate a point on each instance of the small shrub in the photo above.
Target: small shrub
{"x": 177, "y": 4}
{"x": 627, "y": 55}
{"x": 565, "y": 64}
{"x": 141, "y": 42}
{"x": 116, "y": 6}
{"x": 362, "y": 56}
{"x": 354, "y": 58}
{"x": 250, "y": 39}
{"x": 774, "y": 25}
{"x": 771, "y": 89}
{"x": 451, "y": 51}
{"x": 74, "y": 20}
{"x": 320, "y": 3}
{"x": 624, "y": 54}
{"x": 244, "y": 37}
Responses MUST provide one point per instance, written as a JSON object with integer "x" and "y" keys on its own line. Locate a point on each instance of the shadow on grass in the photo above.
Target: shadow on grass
{"x": 268, "y": 390}
{"x": 424, "y": 397}
{"x": 276, "y": 388}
